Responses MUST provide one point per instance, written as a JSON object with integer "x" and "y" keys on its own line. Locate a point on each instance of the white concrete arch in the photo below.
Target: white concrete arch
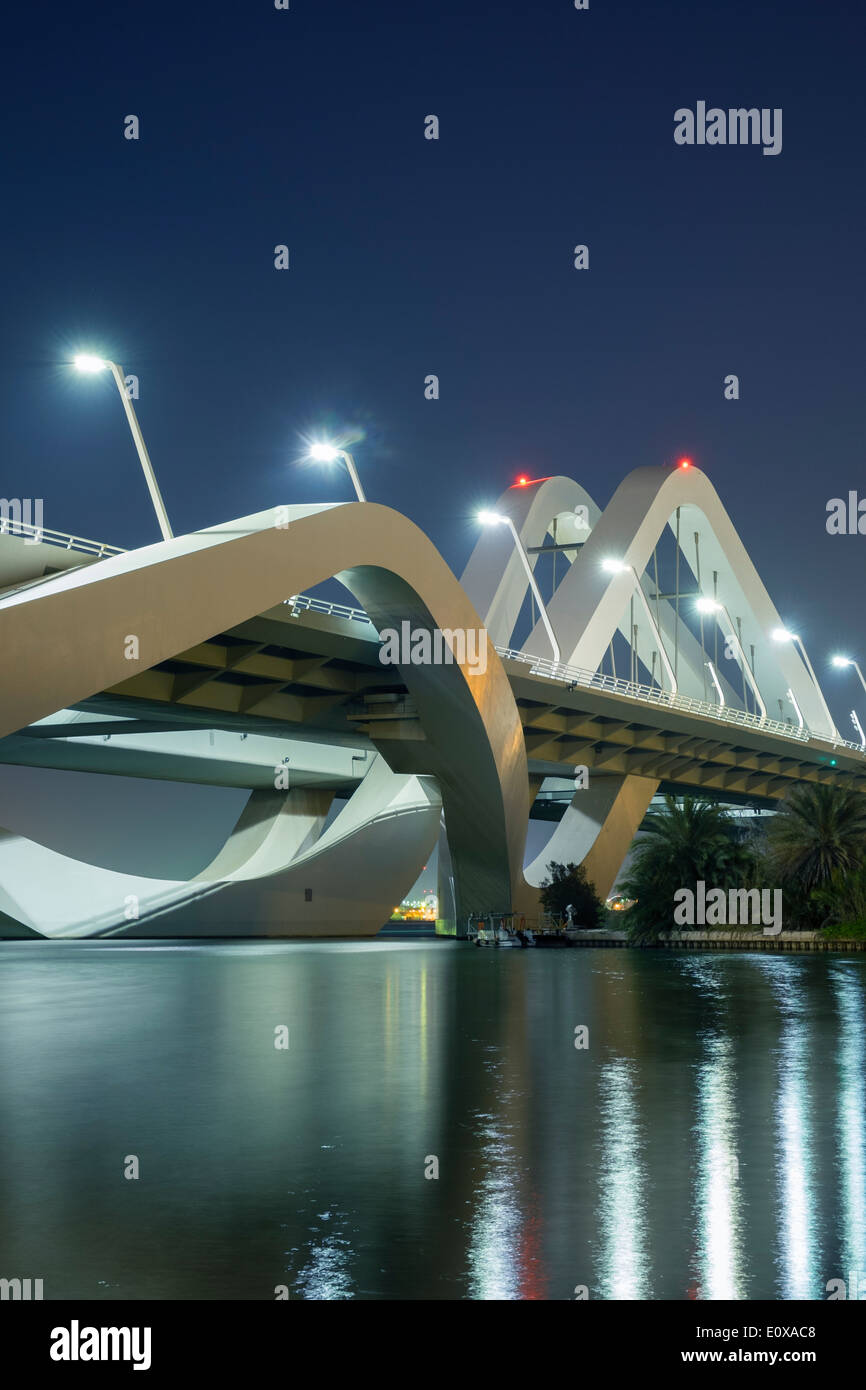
{"x": 587, "y": 607}
{"x": 494, "y": 578}
{"x": 354, "y": 872}
{"x": 73, "y": 637}
{"x": 496, "y": 581}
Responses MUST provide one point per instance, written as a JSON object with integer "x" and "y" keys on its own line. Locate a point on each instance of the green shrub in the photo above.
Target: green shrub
{"x": 567, "y": 884}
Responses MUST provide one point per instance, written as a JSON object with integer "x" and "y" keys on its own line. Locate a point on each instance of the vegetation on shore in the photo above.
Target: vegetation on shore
{"x": 813, "y": 849}
{"x": 567, "y": 886}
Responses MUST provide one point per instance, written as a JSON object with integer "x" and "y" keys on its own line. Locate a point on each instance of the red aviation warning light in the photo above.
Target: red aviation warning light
{"x": 684, "y": 463}
{"x": 523, "y": 480}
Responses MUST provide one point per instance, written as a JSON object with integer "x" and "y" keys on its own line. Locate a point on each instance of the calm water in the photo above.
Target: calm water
{"x": 709, "y": 1143}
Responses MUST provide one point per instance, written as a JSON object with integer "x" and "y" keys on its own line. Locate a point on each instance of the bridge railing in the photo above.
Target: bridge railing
{"x": 595, "y": 680}
{"x": 846, "y": 743}
{"x": 654, "y": 694}
{"x": 304, "y": 603}
{"x": 40, "y": 535}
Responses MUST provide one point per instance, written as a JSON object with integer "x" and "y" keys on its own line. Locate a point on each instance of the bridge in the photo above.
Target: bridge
{"x": 657, "y": 661}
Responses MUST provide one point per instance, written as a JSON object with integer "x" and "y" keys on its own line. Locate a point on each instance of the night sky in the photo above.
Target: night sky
{"x": 260, "y": 127}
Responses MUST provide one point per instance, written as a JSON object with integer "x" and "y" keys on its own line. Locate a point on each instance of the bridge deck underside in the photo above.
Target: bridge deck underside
{"x": 289, "y": 672}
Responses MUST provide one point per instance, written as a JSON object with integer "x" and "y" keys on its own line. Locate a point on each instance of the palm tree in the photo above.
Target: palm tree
{"x": 678, "y": 845}
{"x": 818, "y": 833}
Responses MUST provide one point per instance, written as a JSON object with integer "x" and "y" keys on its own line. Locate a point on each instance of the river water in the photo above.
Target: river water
{"x": 708, "y": 1142}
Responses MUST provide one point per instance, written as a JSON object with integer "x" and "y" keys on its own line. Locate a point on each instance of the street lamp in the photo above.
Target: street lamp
{"x": 613, "y": 566}
{"x": 847, "y": 661}
{"x": 86, "y": 362}
{"x": 497, "y": 519}
{"x": 781, "y": 634}
{"x": 799, "y": 713}
{"x": 712, "y": 671}
{"x": 329, "y": 453}
{"x": 711, "y": 605}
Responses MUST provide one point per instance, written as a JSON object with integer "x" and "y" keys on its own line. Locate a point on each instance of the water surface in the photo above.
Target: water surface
{"x": 709, "y": 1142}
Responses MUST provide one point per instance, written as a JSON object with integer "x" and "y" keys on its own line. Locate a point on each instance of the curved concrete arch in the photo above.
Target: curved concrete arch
{"x": 590, "y": 605}
{"x": 496, "y": 580}
{"x": 587, "y": 607}
{"x": 597, "y": 822}
{"x": 346, "y": 881}
{"x": 258, "y": 879}
{"x": 88, "y": 631}
{"x": 494, "y": 577}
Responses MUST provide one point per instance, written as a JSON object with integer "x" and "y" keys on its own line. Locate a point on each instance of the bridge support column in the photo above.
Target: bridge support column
{"x": 597, "y": 829}
{"x": 457, "y": 898}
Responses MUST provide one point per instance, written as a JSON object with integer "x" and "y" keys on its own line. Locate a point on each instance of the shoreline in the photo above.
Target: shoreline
{"x": 717, "y": 941}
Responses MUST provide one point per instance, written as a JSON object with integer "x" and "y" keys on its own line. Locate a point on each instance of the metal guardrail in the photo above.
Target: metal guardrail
{"x": 653, "y": 694}
{"x": 302, "y": 603}
{"x": 40, "y": 535}
{"x": 846, "y": 743}
{"x": 594, "y": 680}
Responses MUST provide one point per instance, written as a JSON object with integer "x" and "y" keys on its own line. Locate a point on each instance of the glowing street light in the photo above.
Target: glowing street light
{"x": 86, "y": 362}
{"x": 781, "y": 634}
{"x": 497, "y": 519}
{"x": 329, "y": 453}
{"x": 847, "y": 661}
{"x": 613, "y": 566}
{"x": 711, "y": 605}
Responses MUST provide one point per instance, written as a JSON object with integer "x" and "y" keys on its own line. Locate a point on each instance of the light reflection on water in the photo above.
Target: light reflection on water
{"x": 621, "y": 1206}
{"x": 708, "y": 1144}
{"x": 794, "y": 1123}
{"x": 717, "y": 1205}
{"x": 494, "y": 1244}
{"x": 847, "y": 987}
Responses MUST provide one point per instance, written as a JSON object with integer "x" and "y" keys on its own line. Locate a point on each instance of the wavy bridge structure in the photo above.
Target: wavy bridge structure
{"x": 204, "y": 662}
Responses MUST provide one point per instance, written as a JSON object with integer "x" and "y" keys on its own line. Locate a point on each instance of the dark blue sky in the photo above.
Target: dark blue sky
{"x": 454, "y": 257}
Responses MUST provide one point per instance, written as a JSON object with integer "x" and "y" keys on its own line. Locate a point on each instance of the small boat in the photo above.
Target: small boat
{"x": 504, "y": 931}
{"x": 504, "y": 937}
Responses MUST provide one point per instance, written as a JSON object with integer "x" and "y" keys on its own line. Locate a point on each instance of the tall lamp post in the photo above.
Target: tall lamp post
{"x": 84, "y": 362}
{"x": 711, "y": 605}
{"x": 497, "y": 519}
{"x": 619, "y": 567}
{"x": 782, "y": 634}
{"x": 329, "y": 453}
{"x": 847, "y": 661}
